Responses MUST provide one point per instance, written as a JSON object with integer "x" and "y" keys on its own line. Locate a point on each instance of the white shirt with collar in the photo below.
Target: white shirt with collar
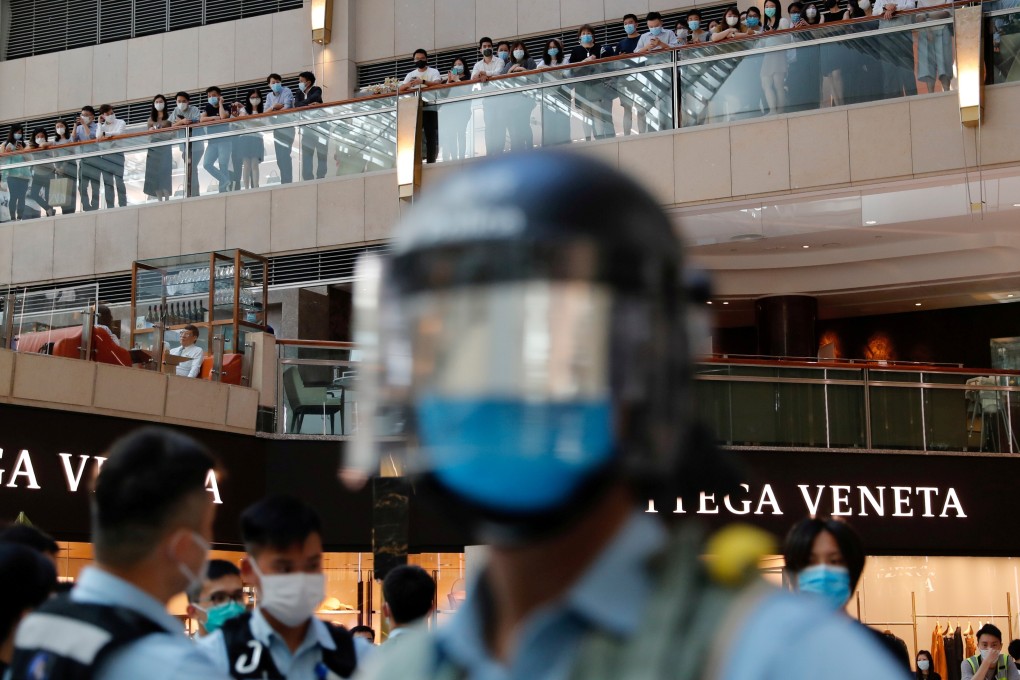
{"x": 493, "y": 68}
{"x": 300, "y": 665}
{"x": 901, "y": 6}
{"x": 112, "y": 126}
{"x": 429, "y": 75}
{"x": 189, "y": 369}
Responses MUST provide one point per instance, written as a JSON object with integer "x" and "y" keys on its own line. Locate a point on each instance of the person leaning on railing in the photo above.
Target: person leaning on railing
{"x": 64, "y": 187}
{"x": 453, "y": 133}
{"x": 774, "y": 65}
{"x": 159, "y": 160}
{"x": 42, "y": 174}
{"x": 556, "y": 102}
{"x": 249, "y": 150}
{"x": 313, "y": 144}
{"x": 111, "y": 165}
{"x": 281, "y": 98}
{"x": 85, "y": 129}
{"x": 591, "y": 98}
{"x": 731, "y": 26}
{"x": 519, "y": 106}
{"x": 185, "y": 114}
{"x": 417, "y": 79}
{"x": 217, "y": 150}
{"x": 17, "y": 178}
{"x": 490, "y": 65}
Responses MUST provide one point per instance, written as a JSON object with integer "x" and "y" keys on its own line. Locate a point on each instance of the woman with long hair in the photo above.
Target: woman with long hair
{"x": 159, "y": 159}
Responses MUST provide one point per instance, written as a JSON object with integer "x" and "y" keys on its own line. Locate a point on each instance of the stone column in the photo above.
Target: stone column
{"x": 786, "y": 325}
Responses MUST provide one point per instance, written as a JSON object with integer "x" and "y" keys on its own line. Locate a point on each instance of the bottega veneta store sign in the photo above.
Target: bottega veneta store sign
{"x": 837, "y": 500}
{"x": 22, "y": 473}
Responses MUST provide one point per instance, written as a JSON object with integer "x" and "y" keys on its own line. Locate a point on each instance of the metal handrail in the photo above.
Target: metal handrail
{"x": 677, "y": 58}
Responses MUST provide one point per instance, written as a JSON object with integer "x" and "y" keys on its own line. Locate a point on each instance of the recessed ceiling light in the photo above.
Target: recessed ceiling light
{"x": 805, "y": 246}
{"x": 870, "y": 222}
{"x": 1016, "y": 205}
{"x": 709, "y": 302}
{"x": 726, "y": 303}
{"x": 917, "y": 304}
{"x": 1010, "y": 295}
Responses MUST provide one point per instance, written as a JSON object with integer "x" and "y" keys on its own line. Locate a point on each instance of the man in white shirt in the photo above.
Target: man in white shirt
{"x": 657, "y": 37}
{"x": 420, "y": 78}
{"x": 897, "y": 81}
{"x": 188, "y": 348}
{"x": 111, "y": 166}
{"x": 492, "y": 107}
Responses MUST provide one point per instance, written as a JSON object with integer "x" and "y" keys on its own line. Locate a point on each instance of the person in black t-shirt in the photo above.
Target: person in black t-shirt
{"x": 313, "y": 143}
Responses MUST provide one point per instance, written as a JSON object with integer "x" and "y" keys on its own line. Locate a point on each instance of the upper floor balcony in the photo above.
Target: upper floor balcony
{"x": 861, "y": 142}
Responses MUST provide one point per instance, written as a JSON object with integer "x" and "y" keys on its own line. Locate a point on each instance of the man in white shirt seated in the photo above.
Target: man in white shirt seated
{"x": 421, "y": 77}
{"x": 188, "y": 348}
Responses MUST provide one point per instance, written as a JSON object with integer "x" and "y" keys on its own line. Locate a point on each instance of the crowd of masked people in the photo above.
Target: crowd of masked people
{"x": 232, "y": 162}
{"x": 152, "y": 522}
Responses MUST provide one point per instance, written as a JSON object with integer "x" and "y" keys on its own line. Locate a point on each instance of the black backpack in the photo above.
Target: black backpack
{"x": 67, "y": 640}
{"x": 249, "y": 658}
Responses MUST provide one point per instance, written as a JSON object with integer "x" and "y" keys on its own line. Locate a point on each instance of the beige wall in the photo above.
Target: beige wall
{"x": 192, "y": 59}
{"x": 90, "y": 387}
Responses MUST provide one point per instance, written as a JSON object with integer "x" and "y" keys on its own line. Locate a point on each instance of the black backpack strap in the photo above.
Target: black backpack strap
{"x": 69, "y": 640}
{"x": 248, "y": 657}
{"x": 343, "y": 660}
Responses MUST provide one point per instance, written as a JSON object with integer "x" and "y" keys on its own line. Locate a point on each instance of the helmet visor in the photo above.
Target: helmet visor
{"x": 502, "y": 391}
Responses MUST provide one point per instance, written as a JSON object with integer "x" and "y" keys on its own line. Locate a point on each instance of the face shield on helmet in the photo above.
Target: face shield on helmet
{"x": 512, "y": 395}
{"x": 525, "y": 341}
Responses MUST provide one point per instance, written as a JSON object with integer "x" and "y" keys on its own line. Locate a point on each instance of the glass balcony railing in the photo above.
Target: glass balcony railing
{"x": 767, "y": 404}
{"x": 849, "y": 62}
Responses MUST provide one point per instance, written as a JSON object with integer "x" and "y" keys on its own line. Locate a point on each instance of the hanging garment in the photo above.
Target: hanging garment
{"x": 938, "y": 654}
{"x": 969, "y": 642}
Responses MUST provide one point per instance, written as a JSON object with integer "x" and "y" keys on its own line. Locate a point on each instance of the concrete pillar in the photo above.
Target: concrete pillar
{"x": 304, "y": 315}
{"x": 335, "y": 67}
{"x": 786, "y": 325}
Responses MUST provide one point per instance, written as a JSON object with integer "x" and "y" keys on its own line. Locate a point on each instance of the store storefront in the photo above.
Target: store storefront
{"x": 937, "y": 532}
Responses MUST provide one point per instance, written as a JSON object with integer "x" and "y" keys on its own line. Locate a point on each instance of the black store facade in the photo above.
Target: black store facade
{"x": 937, "y": 527}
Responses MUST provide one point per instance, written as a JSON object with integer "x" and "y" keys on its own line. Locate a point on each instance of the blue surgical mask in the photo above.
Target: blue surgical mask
{"x": 795, "y": 18}
{"x": 457, "y": 70}
{"x": 508, "y": 454}
{"x": 302, "y": 86}
{"x": 503, "y": 54}
{"x": 751, "y": 22}
{"x": 657, "y": 31}
{"x": 587, "y": 39}
{"x": 213, "y": 101}
{"x": 629, "y": 28}
{"x": 553, "y": 51}
{"x": 770, "y": 12}
{"x": 277, "y": 88}
{"x": 17, "y": 136}
{"x": 831, "y": 583}
{"x": 693, "y": 24}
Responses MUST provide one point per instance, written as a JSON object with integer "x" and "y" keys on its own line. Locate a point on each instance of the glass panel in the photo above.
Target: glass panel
{"x": 896, "y": 418}
{"x": 860, "y": 68}
{"x": 312, "y": 402}
{"x": 1002, "y": 47}
{"x": 362, "y": 144}
{"x": 49, "y": 322}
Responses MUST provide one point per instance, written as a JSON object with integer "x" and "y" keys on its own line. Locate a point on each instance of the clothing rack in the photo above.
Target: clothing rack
{"x": 914, "y": 616}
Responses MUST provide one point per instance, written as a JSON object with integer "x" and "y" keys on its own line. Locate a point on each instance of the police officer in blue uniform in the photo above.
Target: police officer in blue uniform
{"x": 282, "y": 639}
{"x": 527, "y": 339}
{"x": 152, "y": 522}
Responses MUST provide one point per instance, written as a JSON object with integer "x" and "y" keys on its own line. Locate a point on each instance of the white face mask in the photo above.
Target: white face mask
{"x": 195, "y": 579}
{"x": 159, "y": 106}
{"x": 290, "y": 598}
{"x": 811, "y": 12}
{"x": 922, "y": 664}
{"x": 864, "y": 4}
{"x": 182, "y": 106}
{"x": 255, "y": 101}
{"x": 985, "y": 652}
{"x": 61, "y": 129}
{"x": 732, "y": 21}
{"x": 40, "y": 140}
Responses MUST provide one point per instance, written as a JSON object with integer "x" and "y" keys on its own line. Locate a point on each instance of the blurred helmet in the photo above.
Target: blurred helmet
{"x": 525, "y": 340}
